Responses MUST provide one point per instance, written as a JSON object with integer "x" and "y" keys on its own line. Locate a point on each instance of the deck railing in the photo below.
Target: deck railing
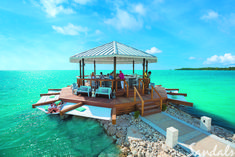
{"x": 142, "y": 101}
{"x": 140, "y": 81}
{"x": 127, "y": 88}
{"x": 143, "y": 81}
{"x": 152, "y": 88}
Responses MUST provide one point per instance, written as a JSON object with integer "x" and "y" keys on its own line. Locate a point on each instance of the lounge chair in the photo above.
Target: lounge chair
{"x": 104, "y": 91}
{"x": 84, "y": 89}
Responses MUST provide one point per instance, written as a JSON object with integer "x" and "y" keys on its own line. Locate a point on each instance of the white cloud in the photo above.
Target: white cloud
{"x": 124, "y": 20}
{"x": 139, "y": 8}
{"x": 83, "y": 2}
{"x": 70, "y": 29}
{"x": 191, "y": 58}
{"x": 98, "y": 32}
{"x": 54, "y": 7}
{"x": 154, "y": 50}
{"x": 210, "y": 15}
{"x": 227, "y": 58}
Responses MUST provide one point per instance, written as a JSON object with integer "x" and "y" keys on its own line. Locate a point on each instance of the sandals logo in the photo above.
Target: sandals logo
{"x": 228, "y": 151}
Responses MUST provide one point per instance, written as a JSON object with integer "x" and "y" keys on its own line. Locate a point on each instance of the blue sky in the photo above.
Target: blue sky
{"x": 43, "y": 34}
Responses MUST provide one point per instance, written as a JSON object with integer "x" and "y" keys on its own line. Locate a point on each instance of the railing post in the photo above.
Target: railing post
{"x": 139, "y": 85}
{"x": 143, "y": 88}
{"x": 134, "y": 94}
{"x": 127, "y": 90}
{"x": 116, "y": 85}
{"x": 142, "y": 104}
{"x": 161, "y": 104}
{"x": 100, "y": 83}
{"x": 152, "y": 92}
{"x": 112, "y": 85}
{"x": 124, "y": 85}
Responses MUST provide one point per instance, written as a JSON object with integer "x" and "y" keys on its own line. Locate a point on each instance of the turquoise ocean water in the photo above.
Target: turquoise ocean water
{"x": 25, "y": 131}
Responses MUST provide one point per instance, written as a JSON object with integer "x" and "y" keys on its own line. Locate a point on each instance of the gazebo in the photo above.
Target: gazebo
{"x": 113, "y": 53}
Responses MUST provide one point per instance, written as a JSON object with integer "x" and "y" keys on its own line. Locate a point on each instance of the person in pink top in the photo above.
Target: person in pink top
{"x": 121, "y": 76}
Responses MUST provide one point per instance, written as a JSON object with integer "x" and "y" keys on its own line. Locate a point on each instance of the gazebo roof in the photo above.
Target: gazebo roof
{"x": 105, "y": 54}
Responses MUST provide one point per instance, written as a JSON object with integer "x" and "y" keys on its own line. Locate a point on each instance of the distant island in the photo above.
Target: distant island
{"x": 208, "y": 68}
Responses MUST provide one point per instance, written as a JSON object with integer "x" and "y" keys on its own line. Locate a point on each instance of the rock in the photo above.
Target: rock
{"x": 120, "y": 133}
{"x": 126, "y": 143}
{"x": 134, "y": 152}
{"x": 233, "y": 138}
{"x": 114, "y": 137}
{"x": 105, "y": 127}
{"x": 125, "y": 150}
{"x": 111, "y": 130}
{"x": 119, "y": 141}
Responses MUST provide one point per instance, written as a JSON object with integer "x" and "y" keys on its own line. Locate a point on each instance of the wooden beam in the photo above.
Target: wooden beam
{"x": 146, "y": 66}
{"x": 89, "y": 102}
{"x": 83, "y": 71}
{"x": 55, "y": 89}
{"x": 44, "y": 103}
{"x": 143, "y": 66}
{"x": 114, "y": 65}
{"x": 114, "y": 116}
{"x": 71, "y": 108}
{"x": 94, "y": 68}
{"x": 46, "y": 94}
{"x": 184, "y": 94}
{"x": 171, "y": 89}
{"x": 80, "y": 67}
{"x": 180, "y": 102}
{"x": 133, "y": 66}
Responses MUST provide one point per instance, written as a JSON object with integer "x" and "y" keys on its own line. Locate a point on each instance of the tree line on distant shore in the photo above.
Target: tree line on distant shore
{"x": 208, "y": 68}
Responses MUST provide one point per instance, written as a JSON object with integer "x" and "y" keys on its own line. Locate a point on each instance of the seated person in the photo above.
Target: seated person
{"x": 101, "y": 76}
{"x": 92, "y": 75}
{"x": 55, "y": 107}
{"x": 111, "y": 76}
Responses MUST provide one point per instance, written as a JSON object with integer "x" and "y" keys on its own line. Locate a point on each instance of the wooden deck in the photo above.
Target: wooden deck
{"x": 121, "y": 103}
{"x": 124, "y": 103}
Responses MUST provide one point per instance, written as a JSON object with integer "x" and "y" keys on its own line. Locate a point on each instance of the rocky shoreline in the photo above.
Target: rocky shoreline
{"x": 136, "y": 138}
{"x": 217, "y": 130}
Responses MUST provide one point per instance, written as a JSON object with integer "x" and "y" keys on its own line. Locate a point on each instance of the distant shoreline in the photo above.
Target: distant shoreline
{"x": 208, "y": 68}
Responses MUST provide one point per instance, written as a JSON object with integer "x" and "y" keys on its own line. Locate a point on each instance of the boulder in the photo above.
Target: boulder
{"x": 111, "y": 130}
{"x": 120, "y": 133}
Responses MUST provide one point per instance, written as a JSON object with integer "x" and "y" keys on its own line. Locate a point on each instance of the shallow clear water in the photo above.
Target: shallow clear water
{"x": 212, "y": 92}
{"x": 25, "y": 131}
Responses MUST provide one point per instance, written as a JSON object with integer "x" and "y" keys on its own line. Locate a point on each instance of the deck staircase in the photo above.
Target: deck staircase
{"x": 150, "y": 106}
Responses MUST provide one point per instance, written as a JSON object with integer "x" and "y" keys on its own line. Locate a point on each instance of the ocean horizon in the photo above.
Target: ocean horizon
{"x": 25, "y": 131}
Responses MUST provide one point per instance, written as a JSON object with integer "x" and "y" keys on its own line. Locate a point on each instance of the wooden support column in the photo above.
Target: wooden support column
{"x": 94, "y": 68}
{"x": 146, "y": 66}
{"x": 114, "y": 73}
{"x": 133, "y": 66}
{"x": 83, "y": 71}
{"x": 80, "y": 66}
{"x": 143, "y": 66}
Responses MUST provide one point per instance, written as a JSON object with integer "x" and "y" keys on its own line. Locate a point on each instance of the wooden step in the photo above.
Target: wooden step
{"x": 153, "y": 111}
{"x": 146, "y": 108}
{"x": 147, "y": 103}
